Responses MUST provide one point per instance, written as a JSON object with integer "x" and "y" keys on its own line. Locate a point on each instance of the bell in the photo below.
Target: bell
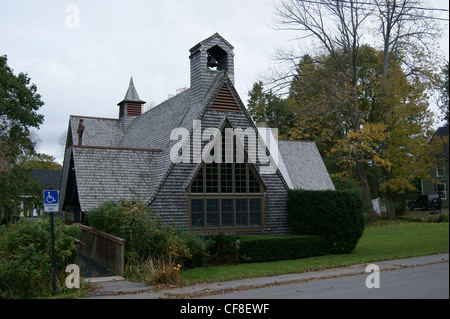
{"x": 212, "y": 63}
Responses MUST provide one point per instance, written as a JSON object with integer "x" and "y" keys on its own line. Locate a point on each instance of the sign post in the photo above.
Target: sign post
{"x": 51, "y": 205}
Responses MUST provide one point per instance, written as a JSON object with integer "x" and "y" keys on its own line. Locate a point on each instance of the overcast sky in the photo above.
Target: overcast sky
{"x": 83, "y": 67}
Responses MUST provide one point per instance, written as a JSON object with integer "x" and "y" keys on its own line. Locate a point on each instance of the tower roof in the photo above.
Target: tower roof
{"x": 216, "y": 36}
{"x": 132, "y": 95}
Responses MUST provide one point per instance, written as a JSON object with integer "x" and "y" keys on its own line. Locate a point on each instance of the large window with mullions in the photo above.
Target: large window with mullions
{"x": 226, "y": 195}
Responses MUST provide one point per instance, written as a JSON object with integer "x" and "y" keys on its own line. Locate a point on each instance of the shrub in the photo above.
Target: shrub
{"x": 335, "y": 215}
{"x": 145, "y": 234}
{"x": 261, "y": 248}
{"x": 25, "y": 264}
{"x": 198, "y": 246}
{"x": 162, "y": 271}
{"x": 155, "y": 271}
{"x": 223, "y": 249}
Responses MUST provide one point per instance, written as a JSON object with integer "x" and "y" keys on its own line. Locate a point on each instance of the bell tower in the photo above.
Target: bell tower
{"x": 131, "y": 106}
{"x": 210, "y": 57}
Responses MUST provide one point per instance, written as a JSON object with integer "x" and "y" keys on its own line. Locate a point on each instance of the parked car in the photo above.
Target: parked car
{"x": 426, "y": 202}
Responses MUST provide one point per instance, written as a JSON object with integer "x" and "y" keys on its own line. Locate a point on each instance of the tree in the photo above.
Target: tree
{"x": 42, "y": 161}
{"x": 266, "y": 107}
{"x": 405, "y": 29}
{"x": 395, "y": 142}
{"x": 442, "y": 87}
{"x": 338, "y": 26}
{"x": 19, "y": 103}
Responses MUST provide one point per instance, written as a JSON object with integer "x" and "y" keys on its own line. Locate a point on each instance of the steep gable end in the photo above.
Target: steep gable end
{"x": 225, "y": 101}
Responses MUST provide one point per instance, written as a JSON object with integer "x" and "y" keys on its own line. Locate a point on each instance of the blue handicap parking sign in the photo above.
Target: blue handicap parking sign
{"x": 51, "y": 197}
{"x": 51, "y": 201}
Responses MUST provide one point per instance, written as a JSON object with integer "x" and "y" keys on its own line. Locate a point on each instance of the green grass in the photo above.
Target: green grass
{"x": 382, "y": 240}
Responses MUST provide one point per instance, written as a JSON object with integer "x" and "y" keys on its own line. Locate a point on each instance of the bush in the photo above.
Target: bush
{"x": 335, "y": 215}
{"x": 224, "y": 249}
{"x": 145, "y": 234}
{"x": 162, "y": 272}
{"x": 261, "y": 248}
{"x": 198, "y": 246}
{"x": 25, "y": 263}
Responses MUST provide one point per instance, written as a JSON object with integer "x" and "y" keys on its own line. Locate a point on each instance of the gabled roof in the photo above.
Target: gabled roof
{"x": 97, "y": 131}
{"x": 106, "y": 154}
{"x": 49, "y": 179}
{"x": 105, "y": 173}
{"x": 303, "y": 166}
{"x": 215, "y": 35}
{"x": 152, "y": 129}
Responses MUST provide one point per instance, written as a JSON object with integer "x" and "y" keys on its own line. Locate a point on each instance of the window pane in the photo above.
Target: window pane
{"x": 227, "y": 146}
{"x": 197, "y": 184}
{"x": 227, "y": 212}
{"x": 212, "y": 213}
{"x": 226, "y": 178}
{"x": 240, "y": 178}
{"x": 241, "y": 212}
{"x": 253, "y": 183}
{"x": 211, "y": 178}
{"x": 440, "y": 171}
{"x": 255, "y": 212}
{"x": 197, "y": 213}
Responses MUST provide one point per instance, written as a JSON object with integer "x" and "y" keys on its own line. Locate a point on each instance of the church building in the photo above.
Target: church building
{"x": 197, "y": 159}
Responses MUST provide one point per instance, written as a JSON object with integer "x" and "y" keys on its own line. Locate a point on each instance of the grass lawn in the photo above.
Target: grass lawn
{"x": 382, "y": 240}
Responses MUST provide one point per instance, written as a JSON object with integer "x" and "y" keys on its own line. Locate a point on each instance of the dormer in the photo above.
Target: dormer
{"x": 209, "y": 58}
{"x": 131, "y": 106}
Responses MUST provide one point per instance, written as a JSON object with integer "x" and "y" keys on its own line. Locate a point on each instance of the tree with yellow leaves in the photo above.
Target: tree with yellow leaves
{"x": 396, "y": 142}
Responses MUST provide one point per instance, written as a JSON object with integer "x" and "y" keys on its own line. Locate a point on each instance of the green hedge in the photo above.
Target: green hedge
{"x": 335, "y": 215}
{"x": 261, "y": 248}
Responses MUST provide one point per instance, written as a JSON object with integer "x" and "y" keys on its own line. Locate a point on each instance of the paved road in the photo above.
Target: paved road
{"x": 421, "y": 277}
{"x": 424, "y": 282}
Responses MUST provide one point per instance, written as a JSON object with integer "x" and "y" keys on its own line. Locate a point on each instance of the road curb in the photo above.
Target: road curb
{"x": 194, "y": 291}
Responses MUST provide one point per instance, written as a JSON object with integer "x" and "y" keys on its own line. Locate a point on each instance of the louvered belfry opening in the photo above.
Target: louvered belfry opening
{"x": 225, "y": 101}
{"x": 134, "y": 109}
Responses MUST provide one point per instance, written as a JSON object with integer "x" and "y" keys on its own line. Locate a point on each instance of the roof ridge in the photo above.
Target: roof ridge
{"x": 117, "y": 148}
{"x": 95, "y": 118}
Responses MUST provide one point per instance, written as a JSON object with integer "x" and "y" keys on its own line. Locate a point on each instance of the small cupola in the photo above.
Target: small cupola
{"x": 210, "y": 57}
{"x": 131, "y": 106}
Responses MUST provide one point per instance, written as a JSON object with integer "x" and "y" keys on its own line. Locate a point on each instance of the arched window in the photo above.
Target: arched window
{"x": 228, "y": 194}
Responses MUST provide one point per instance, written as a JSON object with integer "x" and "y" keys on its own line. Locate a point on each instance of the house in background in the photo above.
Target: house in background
{"x": 441, "y": 171}
{"x": 48, "y": 180}
{"x": 196, "y": 159}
